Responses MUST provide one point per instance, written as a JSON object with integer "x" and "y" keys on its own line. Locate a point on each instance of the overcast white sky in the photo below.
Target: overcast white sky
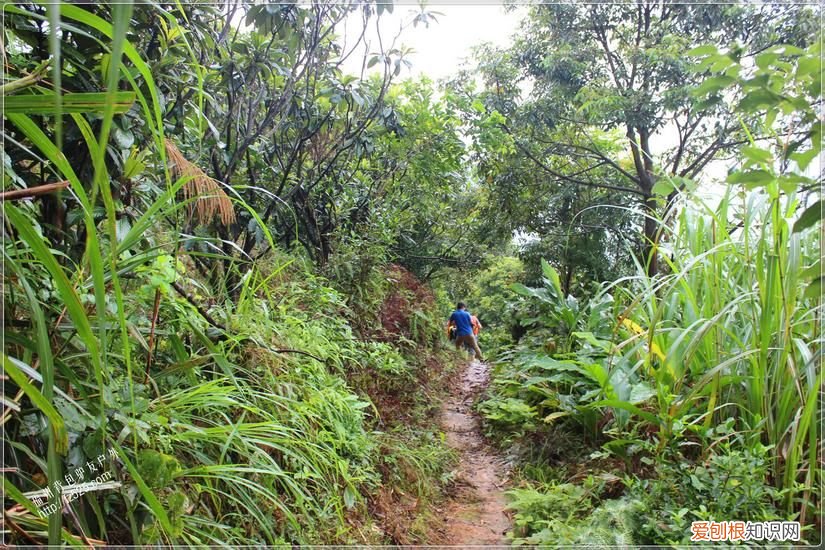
{"x": 440, "y": 49}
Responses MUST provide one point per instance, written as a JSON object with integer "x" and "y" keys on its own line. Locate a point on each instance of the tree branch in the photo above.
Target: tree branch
{"x": 36, "y": 191}
{"x": 566, "y": 178}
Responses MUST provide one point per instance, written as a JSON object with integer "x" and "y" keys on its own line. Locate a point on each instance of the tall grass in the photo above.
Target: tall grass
{"x": 244, "y": 432}
{"x": 726, "y": 333}
{"x": 735, "y": 334}
{"x": 702, "y": 380}
{"x": 91, "y": 336}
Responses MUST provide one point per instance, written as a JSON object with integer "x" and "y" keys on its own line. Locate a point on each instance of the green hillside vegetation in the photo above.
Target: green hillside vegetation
{"x": 228, "y": 265}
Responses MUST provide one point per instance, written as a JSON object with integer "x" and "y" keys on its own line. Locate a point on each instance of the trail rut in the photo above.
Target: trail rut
{"x": 475, "y": 515}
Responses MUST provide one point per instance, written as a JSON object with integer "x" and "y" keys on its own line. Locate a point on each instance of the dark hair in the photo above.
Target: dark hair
{"x": 460, "y": 305}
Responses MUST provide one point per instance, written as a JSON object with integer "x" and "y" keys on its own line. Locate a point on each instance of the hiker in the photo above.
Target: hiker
{"x": 477, "y": 326}
{"x": 463, "y": 322}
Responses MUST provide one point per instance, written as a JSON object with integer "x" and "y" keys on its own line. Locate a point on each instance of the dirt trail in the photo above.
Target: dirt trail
{"x": 475, "y": 515}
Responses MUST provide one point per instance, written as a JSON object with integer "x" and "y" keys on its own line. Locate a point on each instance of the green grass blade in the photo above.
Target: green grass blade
{"x": 44, "y": 104}
{"x": 150, "y": 498}
{"x": 57, "y": 426}
{"x": 64, "y": 287}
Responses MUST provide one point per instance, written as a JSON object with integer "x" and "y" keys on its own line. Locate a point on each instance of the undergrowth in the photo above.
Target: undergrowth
{"x": 270, "y": 421}
{"x": 403, "y": 374}
{"x": 695, "y": 393}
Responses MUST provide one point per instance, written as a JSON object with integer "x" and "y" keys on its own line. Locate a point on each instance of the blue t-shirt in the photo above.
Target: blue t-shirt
{"x": 463, "y": 324}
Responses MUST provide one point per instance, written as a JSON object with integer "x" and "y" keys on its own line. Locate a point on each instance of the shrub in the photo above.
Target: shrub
{"x": 564, "y": 514}
{"x": 731, "y": 485}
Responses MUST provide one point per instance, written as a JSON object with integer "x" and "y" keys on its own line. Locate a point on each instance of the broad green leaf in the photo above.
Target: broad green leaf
{"x": 809, "y": 217}
{"x": 808, "y": 65}
{"x": 759, "y": 98}
{"x": 713, "y": 84}
{"x": 751, "y": 178}
{"x": 803, "y": 159}
{"x": 591, "y": 339}
{"x": 640, "y": 393}
{"x": 791, "y": 181}
{"x": 703, "y": 50}
{"x": 663, "y": 187}
{"x": 554, "y": 415}
{"x": 766, "y": 59}
{"x": 722, "y": 63}
{"x": 814, "y": 289}
{"x": 350, "y": 496}
{"x": 519, "y": 288}
{"x": 757, "y": 154}
{"x": 812, "y": 271}
{"x": 124, "y": 138}
{"x": 550, "y": 273}
{"x": 630, "y": 407}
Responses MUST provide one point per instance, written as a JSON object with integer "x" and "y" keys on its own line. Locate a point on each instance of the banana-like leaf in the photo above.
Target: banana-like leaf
{"x": 630, "y": 407}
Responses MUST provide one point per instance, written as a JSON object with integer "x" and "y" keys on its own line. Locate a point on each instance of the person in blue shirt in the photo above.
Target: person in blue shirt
{"x": 462, "y": 320}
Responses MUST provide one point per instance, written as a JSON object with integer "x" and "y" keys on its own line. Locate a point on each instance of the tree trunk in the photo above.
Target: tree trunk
{"x": 643, "y": 162}
{"x": 651, "y": 237}
{"x": 568, "y": 278}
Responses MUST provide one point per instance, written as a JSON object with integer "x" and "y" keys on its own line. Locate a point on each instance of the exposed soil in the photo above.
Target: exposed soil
{"x": 475, "y": 513}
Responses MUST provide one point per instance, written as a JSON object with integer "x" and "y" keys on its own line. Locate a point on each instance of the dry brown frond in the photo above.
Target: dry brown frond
{"x": 211, "y": 201}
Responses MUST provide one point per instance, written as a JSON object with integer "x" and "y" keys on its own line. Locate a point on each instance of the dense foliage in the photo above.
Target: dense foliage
{"x": 699, "y": 385}
{"x": 589, "y": 128}
{"x": 164, "y": 310}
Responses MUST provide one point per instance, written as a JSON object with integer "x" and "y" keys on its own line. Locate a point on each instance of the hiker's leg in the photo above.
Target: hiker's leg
{"x": 476, "y": 348}
{"x": 462, "y": 342}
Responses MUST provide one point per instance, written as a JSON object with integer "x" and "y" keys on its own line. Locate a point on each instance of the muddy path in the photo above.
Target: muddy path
{"x": 475, "y": 514}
